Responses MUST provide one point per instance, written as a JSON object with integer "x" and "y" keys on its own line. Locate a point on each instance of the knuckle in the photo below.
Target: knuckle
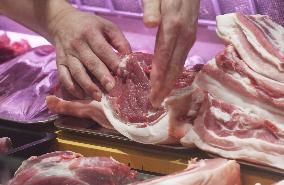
{"x": 177, "y": 21}
{"x": 76, "y": 72}
{"x": 87, "y": 86}
{"x": 88, "y": 30}
{"x": 91, "y": 64}
{"x": 76, "y": 44}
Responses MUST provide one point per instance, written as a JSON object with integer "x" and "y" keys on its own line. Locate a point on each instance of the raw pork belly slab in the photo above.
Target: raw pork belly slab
{"x": 5, "y": 144}
{"x": 242, "y": 114}
{"x": 127, "y": 107}
{"x": 258, "y": 40}
{"x": 233, "y": 132}
{"x": 204, "y": 172}
{"x": 69, "y": 168}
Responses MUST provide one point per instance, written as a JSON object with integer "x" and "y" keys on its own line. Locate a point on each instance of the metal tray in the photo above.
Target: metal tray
{"x": 88, "y": 127}
{"x": 253, "y": 166}
{"x": 33, "y": 125}
{"x": 26, "y": 143}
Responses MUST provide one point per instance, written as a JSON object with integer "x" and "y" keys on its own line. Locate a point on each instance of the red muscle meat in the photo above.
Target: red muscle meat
{"x": 9, "y": 50}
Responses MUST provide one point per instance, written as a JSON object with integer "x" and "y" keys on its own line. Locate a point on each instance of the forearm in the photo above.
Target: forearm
{"x": 37, "y": 15}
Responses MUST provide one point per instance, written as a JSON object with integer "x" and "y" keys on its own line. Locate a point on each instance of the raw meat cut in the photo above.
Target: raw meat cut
{"x": 5, "y": 144}
{"x": 242, "y": 116}
{"x": 233, "y": 132}
{"x": 127, "y": 107}
{"x": 69, "y": 168}
{"x": 24, "y": 83}
{"x": 204, "y": 172}
{"x": 9, "y": 50}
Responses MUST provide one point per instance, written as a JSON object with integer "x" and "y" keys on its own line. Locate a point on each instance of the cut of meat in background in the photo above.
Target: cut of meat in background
{"x": 9, "y": 50}
{"x": 73, "y": 169}
{"x": 24, "y": 83}
{"x": 5, "y": 144}
{"x": 66, "y": 167}
{"x": 127, "y": 107}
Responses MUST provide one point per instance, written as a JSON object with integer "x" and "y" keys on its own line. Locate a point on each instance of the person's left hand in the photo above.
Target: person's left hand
{"x": 177, "y": 21}
{"x": 84, "y": 43}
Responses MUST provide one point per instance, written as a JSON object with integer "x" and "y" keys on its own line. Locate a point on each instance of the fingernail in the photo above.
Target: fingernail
{"x": 109, "y": 86}
{"x": 97, "y": 95}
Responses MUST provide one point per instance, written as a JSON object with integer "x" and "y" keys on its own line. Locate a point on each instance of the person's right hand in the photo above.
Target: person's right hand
{"x": 84, "y": 43}
{"x": 177, "y": 24}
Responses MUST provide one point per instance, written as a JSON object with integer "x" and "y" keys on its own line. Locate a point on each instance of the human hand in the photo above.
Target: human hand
{"x": 84, "y": 43}
{"x": 177, "y": 21}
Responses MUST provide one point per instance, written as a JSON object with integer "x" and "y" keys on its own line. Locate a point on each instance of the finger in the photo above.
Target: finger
{"x": 104, "y": 51}
{"x": 184, "y": 43}
{"x": 80, "y": 75}
{"x": 185, "y": 40}
{"x": 117, "y": 39}
{"x": 152, "y": 12}
{"x": 64, "y": 74}
{"x": 165, "y": 43}
{"x": 96, "y": 66}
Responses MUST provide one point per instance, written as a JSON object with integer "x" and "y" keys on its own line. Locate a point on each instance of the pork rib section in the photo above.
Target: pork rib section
{"x": 204, "y": 172}
{"x": 65, "y": 167}
{"x": 128, "y": 110}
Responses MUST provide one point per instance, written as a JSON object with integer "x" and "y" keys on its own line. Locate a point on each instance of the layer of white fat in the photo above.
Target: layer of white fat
{"x": 280, "y": 183}
{"x": 244, "y": 80}
{"x": 225, "y": 24}
{"x": 249, "y": 149}
{"x": 157, "y": 133}
{"x": 261, "y": 49}
{"x": 50, "y": 168}
{"x": 123, "y": 61}
{"x": 220, "y": 115}
{"x": 219, "y": 91}
{"x": 191, "y": 177}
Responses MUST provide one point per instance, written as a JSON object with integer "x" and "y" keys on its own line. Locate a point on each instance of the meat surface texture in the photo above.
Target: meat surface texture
{"x": 9, "y": 50}
{"x": 127, "y": 107}
{"x": 69, "y": 168}
{"x": 204, "y": 172}
{"x": 5, "y": 144}
{"x": 242, "y": 114}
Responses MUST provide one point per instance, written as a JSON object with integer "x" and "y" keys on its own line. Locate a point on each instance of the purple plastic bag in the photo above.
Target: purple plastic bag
{"x": 25, "y": 81}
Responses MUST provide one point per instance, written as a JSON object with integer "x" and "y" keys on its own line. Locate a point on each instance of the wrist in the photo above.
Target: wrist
{"x": 57, "y": 11}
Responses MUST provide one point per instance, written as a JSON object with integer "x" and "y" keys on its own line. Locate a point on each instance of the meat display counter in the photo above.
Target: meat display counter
{"x": 90, "y": 140}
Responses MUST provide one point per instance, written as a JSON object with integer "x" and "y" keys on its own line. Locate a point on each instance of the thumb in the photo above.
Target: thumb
{"x": 152, "y": 12}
